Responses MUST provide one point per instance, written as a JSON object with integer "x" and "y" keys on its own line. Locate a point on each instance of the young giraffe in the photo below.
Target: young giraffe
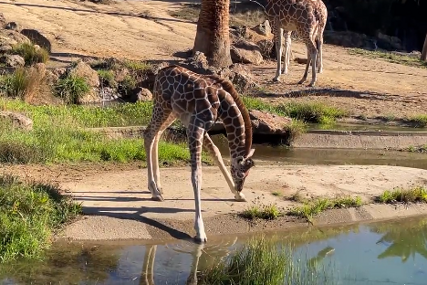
{"x": 295, "y": 15}
{"x": 322, "y": 16}
{"x": 198, "y": 101}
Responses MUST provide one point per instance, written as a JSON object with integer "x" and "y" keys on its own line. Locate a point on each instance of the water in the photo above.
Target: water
{"x": 316, "y": 156}
{"x": 377, "y": 253}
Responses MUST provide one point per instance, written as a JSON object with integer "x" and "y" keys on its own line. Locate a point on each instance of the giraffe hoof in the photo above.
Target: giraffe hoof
{"x": 200, "y": 240}
{"x": 276, "y": 79}
{"x": 158, "y": 198}
{"x": 240, "y": 198}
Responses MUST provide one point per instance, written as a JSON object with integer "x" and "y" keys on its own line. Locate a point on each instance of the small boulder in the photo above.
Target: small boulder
{"x": 37, "y": 38}
{"x": 84, "y": 70}
{"x": 141, "y": 95}
{"x": 263, "y": 28}
{"x": 12, "y": 26}
{"x": 12, "y": 60}
{"x": 18, "y": 120}
{"x": 2, "y": 21}
{"x": 266, "y": 123}
{"x": 243, "y": 51}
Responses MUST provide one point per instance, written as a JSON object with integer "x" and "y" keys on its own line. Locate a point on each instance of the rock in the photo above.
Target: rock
{"x": 263, "y": 28}
{"x": 266, "y": 123}
{"x": 9, "y": 38}
{"x": 240, "y": 76}
{"x": 37, "y": 38}
{"x": 346, "y": 39}
{"x": 18, "y": 120}
{"x": 2, "y": 21}
{"x": 266, "y": 48}
{"x": 246, "y": 52}
{"x": 12, "y": 26}
{"x": 84, "y": 70}
{"x": 12, "y": 60}
{"x": 198, "y": 63}
{"x": 140, "y": 95}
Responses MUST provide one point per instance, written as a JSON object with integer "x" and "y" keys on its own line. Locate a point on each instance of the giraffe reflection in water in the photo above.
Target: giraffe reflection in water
{"x": 199, "y": 254}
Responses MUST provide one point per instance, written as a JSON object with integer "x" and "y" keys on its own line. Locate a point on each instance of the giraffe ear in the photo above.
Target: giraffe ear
{"x": 251, "y": 153}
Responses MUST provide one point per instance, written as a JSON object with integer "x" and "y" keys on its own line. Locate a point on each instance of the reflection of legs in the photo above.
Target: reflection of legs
{"x": 197, "y": 253}
{"x": 159, "y": 121}
{"x": 216, "y": 154}
{"x": 148, "y": 265}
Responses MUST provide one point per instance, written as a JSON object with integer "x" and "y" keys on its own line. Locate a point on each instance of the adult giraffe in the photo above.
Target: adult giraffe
{"x": 198, "y": 101}
{"x": 308, "y": 18}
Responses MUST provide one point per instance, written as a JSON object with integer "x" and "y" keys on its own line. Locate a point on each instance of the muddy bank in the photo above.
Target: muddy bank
{"x": 118, "y": 205}
{"x": 338, "y": 139}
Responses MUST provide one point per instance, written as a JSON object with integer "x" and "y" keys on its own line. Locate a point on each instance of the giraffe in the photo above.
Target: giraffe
{"x": 198, "y": 101}
{"x": 305, "y": 17}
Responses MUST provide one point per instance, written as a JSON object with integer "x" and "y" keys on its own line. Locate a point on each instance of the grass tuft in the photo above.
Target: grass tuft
{"x": 313, "y": 208}
{"x": 259, "y": 211}
{"x": 391, "y": 57}
{"x": 413, "y": 195}
{"x": 30, "y": 213}
{"x": 22, "y": 83}
{"x": 31, "y": 54}
{"x": 262, "y": 262}
{"x": 72, "y": 88}
{"x": 420, "y": 121}
{"x": 107, "y": 77}
{"x": 307, "y": 112}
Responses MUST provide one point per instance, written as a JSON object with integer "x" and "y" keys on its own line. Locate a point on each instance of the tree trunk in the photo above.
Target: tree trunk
{"x": 213, "y": 37}
{"x": 424, "y": 52}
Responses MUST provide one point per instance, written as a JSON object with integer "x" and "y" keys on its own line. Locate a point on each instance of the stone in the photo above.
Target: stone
{"x": 12, "y": 26}
{"x": 141, "y": 95}
{"x": 2, "y": 21}
{"x": 37, "y": 38}
{"x": 244, "y": 51}
{"x": 266, "y": 123}
{"x": 18, "y": 120}
{"x": 197, "y": 63}
{"x": 12, "y": 60}
{"x": 263, "y": 28}
{"x": 84, "y": 70}
{"x": 9, "y": 38}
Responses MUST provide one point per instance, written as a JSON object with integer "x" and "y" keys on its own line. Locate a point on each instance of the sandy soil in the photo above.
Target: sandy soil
{"x": 145, "y": 30}
{"x": 118, "y": 205}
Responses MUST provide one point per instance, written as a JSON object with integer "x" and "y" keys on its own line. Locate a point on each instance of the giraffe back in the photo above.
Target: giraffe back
{"x": 293, "y": 15}
{"x": 208, "y": 97}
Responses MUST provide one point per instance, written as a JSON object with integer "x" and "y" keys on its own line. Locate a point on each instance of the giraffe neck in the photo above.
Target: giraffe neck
{"x": 235, "y": 127}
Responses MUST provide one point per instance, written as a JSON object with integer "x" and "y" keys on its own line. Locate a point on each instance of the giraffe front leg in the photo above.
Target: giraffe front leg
{"x": 152, "y": 134}
{"x": 195, "y": 137}
{"x": 278, "y": 35}
{"x": 287, "y": 51}
{"x": 213, "y": 150}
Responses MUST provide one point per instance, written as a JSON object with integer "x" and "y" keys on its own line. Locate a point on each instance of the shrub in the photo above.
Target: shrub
{"x": 72, "y": 88}
{"x": 31, "y": 54}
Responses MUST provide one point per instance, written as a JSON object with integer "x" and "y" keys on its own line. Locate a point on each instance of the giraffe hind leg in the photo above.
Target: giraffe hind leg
{"x": 160, "y": 120}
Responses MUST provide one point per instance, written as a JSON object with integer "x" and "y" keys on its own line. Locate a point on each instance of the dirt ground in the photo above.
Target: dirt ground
{"x": 118, "y": 205}
{"x": 115, "y": 194}
{"x": 145, "y": 30}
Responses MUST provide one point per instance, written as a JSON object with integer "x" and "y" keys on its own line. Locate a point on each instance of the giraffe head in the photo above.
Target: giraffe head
{"x": 240, "y": 167}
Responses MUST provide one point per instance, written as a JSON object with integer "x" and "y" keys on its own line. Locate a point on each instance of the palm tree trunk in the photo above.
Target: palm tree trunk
{"x": 212, "y": 37}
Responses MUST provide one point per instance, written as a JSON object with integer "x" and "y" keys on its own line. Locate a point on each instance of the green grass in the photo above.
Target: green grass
{"x": 58, "y": 135}
{"x": 107, "y": 77}
{"x": 260, "y": 211}
{"x": 310, "y": 112}
{"x": 262, "y": 262}
{"x": 420, "y": 149}
{"x": 420, "y": 121}
{"x": 390, "y": 57}
{"x": 413, "y": 195}
{"x": 23, "y": 82}
{"x": 72, "y": 89}
{"x": 313, "y": 208}
{"x": 30, "y": 213}
{"x": 31, "y": 54}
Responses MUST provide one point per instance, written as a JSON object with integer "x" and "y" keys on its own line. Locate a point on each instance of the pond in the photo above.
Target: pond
{"x": 388, "y": 252}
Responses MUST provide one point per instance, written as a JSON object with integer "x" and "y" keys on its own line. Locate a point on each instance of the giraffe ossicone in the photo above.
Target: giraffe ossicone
{"x": 198, "y": 101}
{"x": 308, "y": 18}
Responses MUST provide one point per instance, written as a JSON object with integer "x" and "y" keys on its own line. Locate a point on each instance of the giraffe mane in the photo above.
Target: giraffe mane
{"x": 228, "y": 86}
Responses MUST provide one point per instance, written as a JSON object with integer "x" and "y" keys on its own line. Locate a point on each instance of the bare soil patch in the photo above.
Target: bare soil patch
{"x": 118, "y": 205}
